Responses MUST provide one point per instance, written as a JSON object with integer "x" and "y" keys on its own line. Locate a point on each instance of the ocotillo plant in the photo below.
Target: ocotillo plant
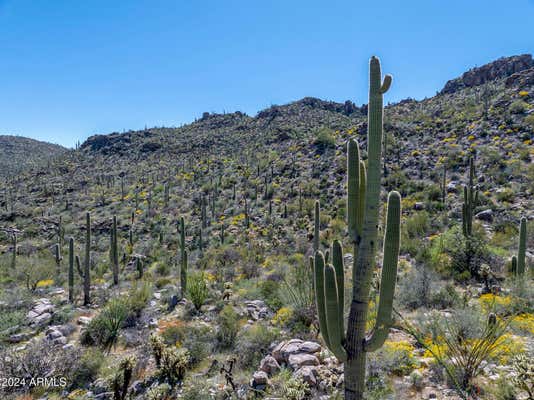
{"x": 518, "y": 263}
{"x": 363, "y": 203}
{"x": 114, "y": 251}
{"x": 183, "y": 258}
{"x": 470, "y": 201}
{"x": 71, "y": 270}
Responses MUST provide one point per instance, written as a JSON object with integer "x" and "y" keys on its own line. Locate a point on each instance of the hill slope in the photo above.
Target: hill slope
{"x": 17, "y": 153}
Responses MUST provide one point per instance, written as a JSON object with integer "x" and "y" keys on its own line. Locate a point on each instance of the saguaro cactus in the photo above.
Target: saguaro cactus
{"x": 363, "y": 203}
{"x": 86, "y": 273}
{"x": 58, "y": 258}
{"x": 470, "y": 201}
{"x": 71, "y": 270}
{"x": 518, "y": 263}
{"x": 15, "y": 251}
{"x": 114, "y": 251}
{"x": 183, "y": 258}
{"x": 316, "y": 227}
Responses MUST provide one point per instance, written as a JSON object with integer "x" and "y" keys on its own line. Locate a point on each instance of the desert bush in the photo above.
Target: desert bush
{"x": 197, "y": 289}
{"x": 253, "y": 343}
{"x": 269, "y": 290}
{"x": 228, "y": 327}
{"x": 87, "y": 369}
{"x": 104, "y": 329}
{"x": 324, "y": 138}
{"x": 34, "y": 269}
{"x": 296, "y": 290}
{"x": 394, "y": 358}
{"x": 461, "y": 341}
{"x": 415, "y": 288}
{"x": 38, "y": 360}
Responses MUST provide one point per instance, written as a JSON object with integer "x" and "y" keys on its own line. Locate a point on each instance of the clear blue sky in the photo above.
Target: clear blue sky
{"x": 73, "y": 68}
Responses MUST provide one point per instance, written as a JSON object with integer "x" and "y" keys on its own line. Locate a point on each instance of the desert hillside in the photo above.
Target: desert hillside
{"x": 97, "y": 244}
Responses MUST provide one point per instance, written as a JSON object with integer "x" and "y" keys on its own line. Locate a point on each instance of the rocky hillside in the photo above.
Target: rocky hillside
{"x": 18, "y": 153}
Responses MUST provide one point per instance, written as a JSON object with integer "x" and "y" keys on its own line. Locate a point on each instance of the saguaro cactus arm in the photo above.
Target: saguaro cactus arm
{"x": 334, "y": 320}
{"x": 319, "y": 295}
{"x": 389, "y": 274}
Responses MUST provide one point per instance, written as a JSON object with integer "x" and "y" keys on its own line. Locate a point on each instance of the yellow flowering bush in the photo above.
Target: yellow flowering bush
{"x": 282, "y": 316}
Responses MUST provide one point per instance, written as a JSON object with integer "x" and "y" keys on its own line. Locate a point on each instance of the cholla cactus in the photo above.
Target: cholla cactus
{"x": 524, "y": 374}
{"x": 363, "y": 203}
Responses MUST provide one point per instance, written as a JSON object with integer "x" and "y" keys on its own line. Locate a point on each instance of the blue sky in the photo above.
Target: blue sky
{"x": 70, "y": 69}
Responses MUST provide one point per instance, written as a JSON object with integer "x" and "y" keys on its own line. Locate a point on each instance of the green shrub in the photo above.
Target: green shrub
{"x": 197, "y": 289}
{"x": 518, "y": 107}
{"x": 324, "y": 138}
{"x": 269, "y": 290}
{"x": 87, "y": 369}
{"x": 104, "y": 329}
{"x": 253, "y": 344}
{"x": 228, "y": 322}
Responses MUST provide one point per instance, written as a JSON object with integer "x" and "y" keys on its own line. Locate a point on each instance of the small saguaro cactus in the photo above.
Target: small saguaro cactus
{"x": 58, "y": 258}
{"x": 71, "y": 270}
{"x": 316, "y": 227}
{"x": 85, "y": 274}
{"x": 15, "y": 251}
{"x": 443, "y": 185}
{"x": 114, "y": 251}
{"x": 363, "y": 203}
{"x": 521, "y": 253}
{"x": 470, "y": 201}
{"x": 183, "y": 258}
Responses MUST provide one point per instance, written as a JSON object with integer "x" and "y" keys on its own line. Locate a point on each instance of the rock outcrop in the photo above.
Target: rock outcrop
{"x": 498, "y": 69}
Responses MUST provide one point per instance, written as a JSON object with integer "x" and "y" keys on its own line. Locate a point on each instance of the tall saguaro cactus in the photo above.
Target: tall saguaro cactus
{"x": 363, "y": 203}
{"x": 470, "y": 201}
{"x": 518, "y": 263}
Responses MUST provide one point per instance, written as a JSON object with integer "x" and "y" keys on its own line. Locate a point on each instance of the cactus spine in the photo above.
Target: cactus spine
{"x": 521, "y": 254}
{"x": 114, "y": 252}
{"x": 183, "y": 258}
{"x": 470, "y": 201}
{"x": 363, "y": 211}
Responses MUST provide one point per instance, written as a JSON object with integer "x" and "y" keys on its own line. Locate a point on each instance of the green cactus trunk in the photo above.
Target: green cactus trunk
{"x": 57, "y": 257}
{"x": 71, "y": 270}
{"x": 87, "y": 262}
{"x": 183, "y": 258}
{"x": 15, "y": 250}
{"x": 521, "y": 254}
{"x": 114, "y": 252}
{"x": 470, "y": 201}
{"x": 363, "y": 204}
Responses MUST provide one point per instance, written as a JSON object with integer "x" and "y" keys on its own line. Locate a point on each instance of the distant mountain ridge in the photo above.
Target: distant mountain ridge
{"x": 17, "y": 153}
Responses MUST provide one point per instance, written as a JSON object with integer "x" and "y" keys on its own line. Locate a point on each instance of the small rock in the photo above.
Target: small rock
{"x": 486, "y": 215}
{"x": 84, "y": 320}
{"x": 269, "y": 365}
{"x": 307, "y": 373}
{"x": 297, "y": 361}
